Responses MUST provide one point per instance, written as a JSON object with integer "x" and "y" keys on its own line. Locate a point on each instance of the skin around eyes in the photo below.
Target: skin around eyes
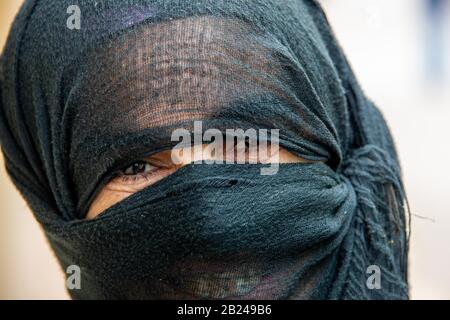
{"x": 150, "y": 170}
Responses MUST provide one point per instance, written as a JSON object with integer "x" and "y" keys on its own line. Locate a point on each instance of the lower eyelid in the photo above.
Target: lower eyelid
{"x": 122, "y": 183}
{"x": 143, "y": 180}
{"x": 131, "y": 178}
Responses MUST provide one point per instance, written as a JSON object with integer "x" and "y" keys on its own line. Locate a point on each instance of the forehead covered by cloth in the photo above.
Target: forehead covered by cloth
{"x": 133, "y": 92}
{"x": 116, "y": 89}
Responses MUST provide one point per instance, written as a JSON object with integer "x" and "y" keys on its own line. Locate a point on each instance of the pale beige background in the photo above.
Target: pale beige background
{"x": 384, "y": 42}
{"x": 28, "y": 269}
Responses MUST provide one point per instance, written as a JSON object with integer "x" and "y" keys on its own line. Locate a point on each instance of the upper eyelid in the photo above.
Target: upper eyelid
{"x": 153, "y": 162}
{"x": 157, "y": 163}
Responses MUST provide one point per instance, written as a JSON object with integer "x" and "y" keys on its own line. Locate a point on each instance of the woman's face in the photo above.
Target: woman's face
{"x": 148, "y": 171}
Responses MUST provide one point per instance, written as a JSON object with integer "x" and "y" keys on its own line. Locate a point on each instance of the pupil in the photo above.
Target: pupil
{"x": 138, "y": 167}
{"x": 135, "y": 168}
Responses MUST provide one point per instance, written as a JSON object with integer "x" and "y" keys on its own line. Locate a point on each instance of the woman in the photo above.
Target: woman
{"x": 89, "y": 109}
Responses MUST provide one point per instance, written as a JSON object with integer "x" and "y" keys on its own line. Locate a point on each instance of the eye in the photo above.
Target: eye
{"x": 144, "y": 172}
{"x": 138, "y": 173}
{"x": 140, "y": 167}
{"x": 130, "y": 180}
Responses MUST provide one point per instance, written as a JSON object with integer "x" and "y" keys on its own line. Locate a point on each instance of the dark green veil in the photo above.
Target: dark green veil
{"x": 77, "y": 104}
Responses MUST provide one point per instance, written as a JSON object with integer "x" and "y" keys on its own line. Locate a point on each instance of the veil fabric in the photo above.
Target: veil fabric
{"x": 76, "y": 105}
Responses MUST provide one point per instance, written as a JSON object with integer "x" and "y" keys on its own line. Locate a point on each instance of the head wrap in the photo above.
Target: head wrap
{"x": 77, "y": 104}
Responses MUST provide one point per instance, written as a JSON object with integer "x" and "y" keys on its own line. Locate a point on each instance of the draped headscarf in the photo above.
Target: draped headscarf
{"x": 77, "y": 104}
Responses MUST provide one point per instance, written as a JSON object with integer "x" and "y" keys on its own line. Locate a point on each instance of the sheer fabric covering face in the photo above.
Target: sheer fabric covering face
{"x": 77, "y": 105}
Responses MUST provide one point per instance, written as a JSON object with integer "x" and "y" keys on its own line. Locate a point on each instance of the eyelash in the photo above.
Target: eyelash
{"x": 133, "y": 178}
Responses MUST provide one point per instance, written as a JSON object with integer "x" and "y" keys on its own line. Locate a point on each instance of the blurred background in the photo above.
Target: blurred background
{"x": 400, "y": 51}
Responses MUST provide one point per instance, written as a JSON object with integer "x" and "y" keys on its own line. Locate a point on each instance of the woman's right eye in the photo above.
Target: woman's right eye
{"x": 144, "y": 172}
{"x": 140, "y": 167}
{"x": 130, "y": 180}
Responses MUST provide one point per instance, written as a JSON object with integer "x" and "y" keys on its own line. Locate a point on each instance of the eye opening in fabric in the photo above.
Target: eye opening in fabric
{"x": 174, "y": 181}
{"x": 131, "y": 157}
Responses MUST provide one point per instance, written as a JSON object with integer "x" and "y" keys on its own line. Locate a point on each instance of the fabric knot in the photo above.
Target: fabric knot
{"x": 379, "y": 219}
{"x": 372, "y": 163}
